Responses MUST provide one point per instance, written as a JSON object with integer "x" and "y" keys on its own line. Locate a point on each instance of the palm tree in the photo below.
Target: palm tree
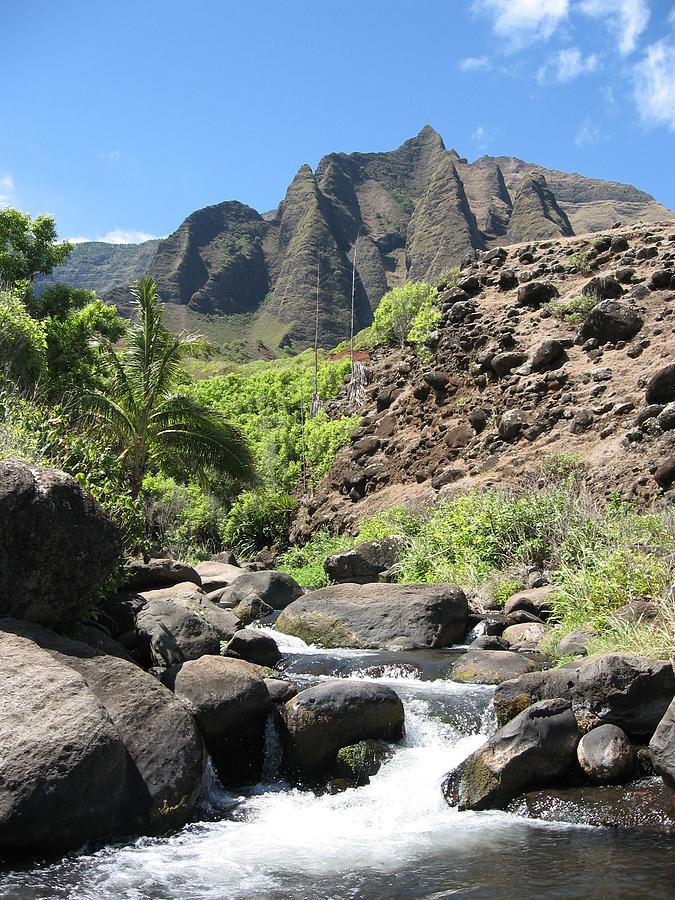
{"x": 149, "y": 422}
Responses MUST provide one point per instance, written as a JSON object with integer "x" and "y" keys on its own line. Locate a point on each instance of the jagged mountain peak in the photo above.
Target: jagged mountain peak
{"x": 416, "y": 210}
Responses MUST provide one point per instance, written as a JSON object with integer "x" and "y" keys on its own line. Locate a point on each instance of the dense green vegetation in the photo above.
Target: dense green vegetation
{"x": 406, "y": 314}
{"x": 599, "y": 557}
{"x": 112, "y": 403}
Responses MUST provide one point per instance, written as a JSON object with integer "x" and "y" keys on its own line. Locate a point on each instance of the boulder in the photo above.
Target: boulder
{"x": 525, "y": 633}
{"x": 605, "y": 754}
{"x": 661, "y": 386}
{"x": 546, "y": 355}
{"x": 355, "y": 765}
{"x": 276, "y": 589}
{"x": 90, "y": 745}
{"x": 642, "y": 806}
{"x": 536, "y": 293}
{"x": 662, "y": 746}
{"x": 366, "y": 562}
{"x": 576, "y": 643}
{"x": 170, "y": 634}
{"x": 491, "y": 666}
{"x": 503, "y": 363}
{"x": 57, "y": 547}
{"x": 534, "y": 600}
{"x": 375, "y": 615}
{"x": 322, "y": 719}
{"x": 255, "y": 647}
{"x": 251, "y": 609}
{"x": 621, "y": 689}
{"x": 215, "y": 575}
{"x": 610, "y": 321}
{"x": 534, "y": 749}
{"x": 665, "y": 473}
{"x": 230, "y": 703}
{"x": 148, "y": 575}
{"x": 604, "y": 287}
{"x": 224, "y": 621}
{"x": 489, "y": 642}
{"x": 280, "y": 691}
{"x": 511, "y": 424}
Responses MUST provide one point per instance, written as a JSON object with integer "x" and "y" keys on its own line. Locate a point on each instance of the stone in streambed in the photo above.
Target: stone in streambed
{"x": 230, "y": 703}
{"x": 536, "y": 748}
{"x": 255, "y": 647}
{"x": 57, "y": 547}
{"x": 621, "y": 689}
{"x": 378, "y": 615}
{"x": 491, "y": 666}
{"x": 364, "y": 563}
{"x": 149, "y": 575}
{"x": 662, "y": 746}
{"x": 275, "y": 589}
{"x": 90, "y": 745}
{"x": 643, "y": 806}
{"x": 322, "y": 719}
{"x": 605, "y": 754}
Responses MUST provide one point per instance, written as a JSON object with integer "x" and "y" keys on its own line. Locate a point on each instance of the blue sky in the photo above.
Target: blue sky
{"x": 121, "y": 118}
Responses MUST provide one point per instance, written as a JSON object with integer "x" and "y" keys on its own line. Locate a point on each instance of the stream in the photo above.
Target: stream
{"x": 394, "y": 838}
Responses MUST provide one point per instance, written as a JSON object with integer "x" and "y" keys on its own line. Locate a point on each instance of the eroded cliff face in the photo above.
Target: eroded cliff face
{"x": 525, "y": 378}
{"x": 406, "y": 214}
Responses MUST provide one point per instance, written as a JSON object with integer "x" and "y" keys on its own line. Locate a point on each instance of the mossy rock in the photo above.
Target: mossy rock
{"x": 357, "y": 763}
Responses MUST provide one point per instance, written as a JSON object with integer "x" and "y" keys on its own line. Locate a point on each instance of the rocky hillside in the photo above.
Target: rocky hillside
{"x": 551, "y": 356}
{"x": 406, "y": 214}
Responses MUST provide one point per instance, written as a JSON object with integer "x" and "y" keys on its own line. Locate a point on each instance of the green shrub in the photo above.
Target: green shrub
{"x": 581, "y": 261}
{"x": 323, "y": 438}
{"x": 396, "y": 521}
{"x": 467, "y": 539}
{"x": 184, "y": 520}
{"x": 258, "y": 520}
{"x": 396, "y": 312}
{"x": 23, "y": 344}
{"x": 423, "y": 325}
{"x": 573, "y": 311}
{"x": 449, "y": 278}
{"x": 563, "y": 466}
{"x": 305, "y": 564}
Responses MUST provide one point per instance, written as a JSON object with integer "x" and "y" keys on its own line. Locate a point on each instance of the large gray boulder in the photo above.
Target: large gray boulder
{"x": 661, "y": 386}
{"x": 322, "y": 719}
{"x": 605, "y": 754}
{"x": 376, "y": 615}
{"x": 230, "y": 703}
{"x": 224, "y": 621}
{"x": 621, "y": 689}
{"x": 57, "y": 546}
{"x": 532, "y": 750}
{"x": 491, "y": 666}
{"x": 662, "y": 746}
{"x": 610, "y": 321}
{"x": 149, "y": 575}
{"x": 168, "y": 634}
{"x": 276, "y": 589}
{"x": 90, "y": 745}
{"x": 216, "y": 574}
{"x": 364, "y": 563}
{"x": 255, "y": 647}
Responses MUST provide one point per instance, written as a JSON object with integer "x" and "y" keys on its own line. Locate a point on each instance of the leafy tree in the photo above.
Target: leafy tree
{"x": 150, "y": 423}
{"x": 75, "y": 321}
{"x": 28, "y": 246}
{"x": 397, "y": 310}
{"x": 23, "y": 346}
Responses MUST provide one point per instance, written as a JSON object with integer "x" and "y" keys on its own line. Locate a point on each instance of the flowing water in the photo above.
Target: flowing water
{"x": 395, "y": 838}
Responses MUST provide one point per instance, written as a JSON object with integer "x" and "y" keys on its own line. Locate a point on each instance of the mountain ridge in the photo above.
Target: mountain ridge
{"x": 407, "y": 213}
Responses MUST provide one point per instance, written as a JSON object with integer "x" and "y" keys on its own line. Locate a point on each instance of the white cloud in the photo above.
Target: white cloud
{"x": 567, "y": 65}
{"x": 522, "y": 22}
{"x": 474, "y": 63}
{"x": 655, "y": 84}
{"x": 628, "y": 18}
{"x": 7, "y": 189}
{"x": 117, "y": 236}
{"x": 111, "y": 154}
{"x": 588, "y": 133}
{"x": 481, "y": 138}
